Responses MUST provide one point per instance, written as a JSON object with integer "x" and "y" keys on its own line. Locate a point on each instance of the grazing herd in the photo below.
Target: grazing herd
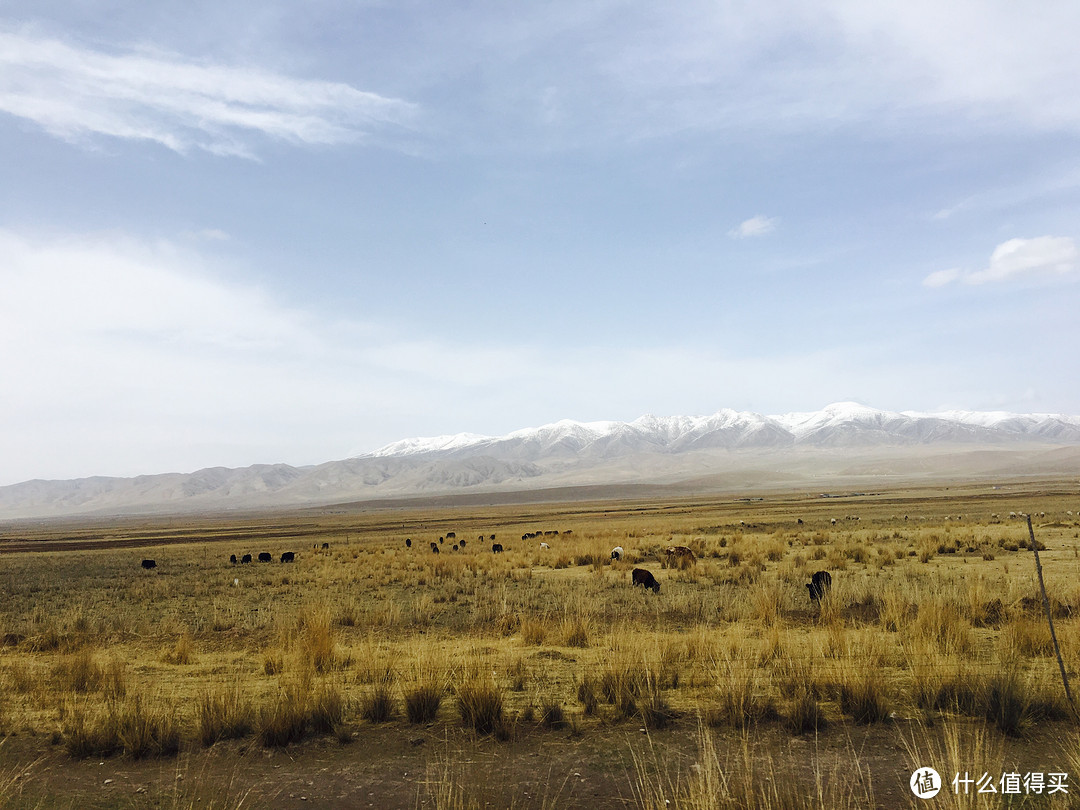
{"x": 675, "y": 556}
{"x": 264, "y": 556}
{"x": 680, "y": 557}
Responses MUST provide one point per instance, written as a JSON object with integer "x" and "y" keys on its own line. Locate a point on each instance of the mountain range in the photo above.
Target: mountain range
{"x": 726, "y": 451}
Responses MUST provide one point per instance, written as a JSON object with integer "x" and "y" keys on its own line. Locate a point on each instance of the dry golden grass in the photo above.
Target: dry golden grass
{"x": 927, "y": 619}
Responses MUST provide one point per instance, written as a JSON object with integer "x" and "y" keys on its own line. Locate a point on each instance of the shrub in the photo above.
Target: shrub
{"x": 533, "y": 631}
{"x": 863, "y": 697}
{"x": 148, "y": 732}
{"x": 422, "y": 702}
{"x": 328, "y": 708}
{"x": 575, "y": 631}
{"x": 78, "y": 672}
{"x": 284, "y": 719}
{"x": 621, "y": 686}
{"x": 316, "y": 640}
{"x": 481, "y": 706}
{"x": 183, "y": 652}
{"x": 740, "y": 705}
{"x": 90, "y": 733}
{"x": 114, "y": 679}
{"x": 378, "y": 705}
{"x": 656, "y": 712}
{"x": 804, "y": 713}
{"x": 586, "y": 695}
{"x": 133, "y": 727}
{"x": 223, "y": 715}
{"x": 1026, "y": 638}
{"x": 552, "y": 715}
{"x": 958, "y": 691}
{"x": 1007, "y": 704}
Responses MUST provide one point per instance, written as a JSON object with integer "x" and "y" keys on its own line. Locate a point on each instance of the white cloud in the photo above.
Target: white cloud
{"x": 1019, "y": 258}
{"x": 1015, "y": 259}
{"x": 755, "y": 226}
{"x": 940, "y": 278}
{"x": 122, "y": 356}
{"x": 74, "y": 92}
{"x": 792, "y": 65}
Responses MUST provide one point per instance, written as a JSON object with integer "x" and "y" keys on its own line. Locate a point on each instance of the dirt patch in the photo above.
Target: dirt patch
{"x": 394, "y": 767}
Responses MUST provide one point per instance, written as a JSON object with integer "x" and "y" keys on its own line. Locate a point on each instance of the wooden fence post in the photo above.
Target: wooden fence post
{"x": 1049, "y": 617}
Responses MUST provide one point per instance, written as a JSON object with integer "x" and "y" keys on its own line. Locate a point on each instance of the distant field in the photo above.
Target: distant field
{"x": 495, "y": 678}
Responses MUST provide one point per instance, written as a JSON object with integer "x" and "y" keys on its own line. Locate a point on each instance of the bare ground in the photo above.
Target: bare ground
{"x": 394, "y": 766}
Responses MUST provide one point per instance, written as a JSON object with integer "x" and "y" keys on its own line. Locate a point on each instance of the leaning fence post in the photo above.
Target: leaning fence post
{"x": 1049, "y": 617}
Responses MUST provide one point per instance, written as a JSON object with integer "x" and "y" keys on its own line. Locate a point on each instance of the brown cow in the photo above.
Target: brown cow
{"x": 680, "y": 557}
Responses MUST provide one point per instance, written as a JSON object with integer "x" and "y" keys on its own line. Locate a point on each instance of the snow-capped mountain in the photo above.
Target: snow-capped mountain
{"x": 837, "y": 425}
{"x": 727, "y": 450}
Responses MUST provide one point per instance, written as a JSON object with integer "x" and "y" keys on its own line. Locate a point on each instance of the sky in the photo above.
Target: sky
{"x": 240, "y": 232}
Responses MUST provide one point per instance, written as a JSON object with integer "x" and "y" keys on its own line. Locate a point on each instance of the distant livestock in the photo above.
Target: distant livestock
{"x": 232, "y": 559}
{"x": 451, "y": 535}
{"x": 544, "y": 545}
{"x": 819, "y": 585}
{"x": 326, "y": 546}
{"x": 680, "y": 556}
{"x": 496, "y": 548}
{"x": 461, "y": 543}
{"x": 617, "y": 552}
{"x": 288, "y": 556}
{"x": 264, "y": 556}
{"x": 408, "y": 543}
{"x": 245, "y": 559}
{"x": 639, "y": 576}
{"x": 434, "y": 548}
{"x": 148, "y": 564}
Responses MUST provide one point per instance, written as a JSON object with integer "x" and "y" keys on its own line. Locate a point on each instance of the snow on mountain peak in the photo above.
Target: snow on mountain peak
{"x": 839, "y": 423}
{"x": 425, "y": 444}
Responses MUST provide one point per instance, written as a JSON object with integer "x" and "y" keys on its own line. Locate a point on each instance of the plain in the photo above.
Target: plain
{"x": 372, "y": 672}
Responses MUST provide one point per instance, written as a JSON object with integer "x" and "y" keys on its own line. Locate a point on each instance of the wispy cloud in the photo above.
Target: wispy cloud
{"x": 755, "y": 226}
{"x": 715, "y": 66}
{"x": 74, "y": 92}
{"x": 1043, "y": 256}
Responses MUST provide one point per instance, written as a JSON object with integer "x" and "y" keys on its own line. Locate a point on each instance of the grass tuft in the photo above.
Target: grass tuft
{"x": 223, "y": 714}
{"x": 481, "y": 706}
{"x": 422, "y": 702}
{"x": 284, "y": 718}
{"x": 378, "y": 704}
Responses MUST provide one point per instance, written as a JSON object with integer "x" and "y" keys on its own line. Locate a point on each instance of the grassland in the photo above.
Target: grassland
{"x": 371, "y": 674}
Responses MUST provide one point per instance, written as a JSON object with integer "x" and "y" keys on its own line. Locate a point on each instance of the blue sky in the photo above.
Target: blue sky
{"x": 239, "y": 232}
